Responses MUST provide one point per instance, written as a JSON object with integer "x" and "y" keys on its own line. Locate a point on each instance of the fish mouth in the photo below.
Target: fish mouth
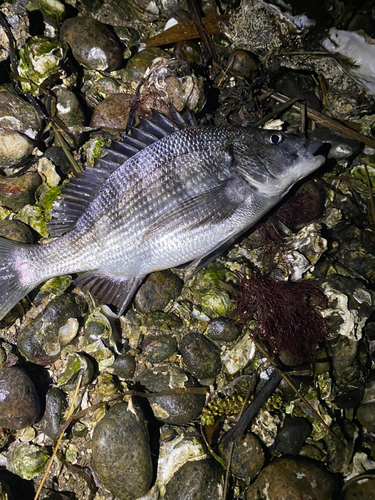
{"x": 309, "y": 149}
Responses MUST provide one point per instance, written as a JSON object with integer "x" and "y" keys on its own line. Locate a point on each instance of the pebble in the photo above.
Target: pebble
{"x": 121, "y": 452}
{"x": 292, "y": 435}
{"x": 247, "y": 457}
{"x": 366, "y": 416}
{"x": 92, "y": 43}
{"x": 222, "y": 330}
{"x": 18, "y": 115}
{"x": 112, "y": 112}
{"x": 174, "y": 408}
{"x": 362, "y": 489}
{"x": 69, "y": 110}
{"x": 242, "y": 63}
{"x": 293, "y": 479}
{"x": 39, "y": 342}
{"x": 16, "y": 192}
{"x": 53, "y": 416}
{"x": 58, "y": 158}
{"x": 16, "y": 230}
{"x": 162, "y": 320}
{"x": 124, "y": 366}
{"x": 157, "y": 291}
{"x": 158, "y": 347}
{"x": 19, "y": 401}
{"x": 14, "y": 147}
{"x": 200, "y": 355}
{"x": 137, "y": 64}
{"x": 196, "y": 480}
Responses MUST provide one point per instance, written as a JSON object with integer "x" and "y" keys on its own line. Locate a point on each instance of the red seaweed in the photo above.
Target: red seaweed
{"x": 287, "y": 313}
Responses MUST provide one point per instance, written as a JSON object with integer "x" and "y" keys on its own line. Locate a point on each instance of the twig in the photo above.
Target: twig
{"x": 372, "y": 209}
{"x": 70, "y": 411}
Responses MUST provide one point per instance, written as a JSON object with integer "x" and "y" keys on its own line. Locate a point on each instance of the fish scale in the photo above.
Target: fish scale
{"x": 184, "y": 197}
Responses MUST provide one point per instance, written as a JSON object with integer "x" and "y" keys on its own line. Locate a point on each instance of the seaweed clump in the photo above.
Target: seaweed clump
{"x": 287, "y": 313}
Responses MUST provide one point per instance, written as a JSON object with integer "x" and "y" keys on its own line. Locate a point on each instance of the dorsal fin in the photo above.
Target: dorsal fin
{"x": 83, "y": 187}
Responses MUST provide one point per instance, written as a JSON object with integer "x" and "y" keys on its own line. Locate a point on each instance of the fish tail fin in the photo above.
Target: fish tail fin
{"x": 11, "y": 289}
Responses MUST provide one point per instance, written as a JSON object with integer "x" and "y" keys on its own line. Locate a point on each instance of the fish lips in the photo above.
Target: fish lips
{"x": 307, "y": 152}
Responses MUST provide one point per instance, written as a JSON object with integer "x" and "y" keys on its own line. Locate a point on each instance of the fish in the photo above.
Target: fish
{"x": 168, "y": 193}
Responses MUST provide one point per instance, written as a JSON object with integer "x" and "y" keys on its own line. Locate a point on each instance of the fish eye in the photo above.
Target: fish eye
{"x": 274, "y": 138}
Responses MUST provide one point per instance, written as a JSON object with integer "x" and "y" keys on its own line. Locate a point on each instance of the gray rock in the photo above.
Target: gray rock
{"x": 174, "y": 408}
{"x": 197, "y": 480}
{"x": 360, "y": 488}
{"x": 293, "y": 479}
{"x": 157, "y": 291}
{"x": 158, "y": 347}
{"x": 292, "y": 435}
{"x": 124, "y": 366}
{"x": 19, "y": 401}
{"x": 92, "y": 43}
{"x": 121, "y": 452}
{"x": 222, "y": 330}
{"x": 16, "y": 230}
{"x": 54, "y": 413}
{"x": 200, "y": 355}
{"x": 112, "y": 112}
{"x": 17, "y": 192}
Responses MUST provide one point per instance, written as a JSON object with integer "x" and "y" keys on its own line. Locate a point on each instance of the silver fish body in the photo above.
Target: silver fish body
{"x": 182, "y": 198}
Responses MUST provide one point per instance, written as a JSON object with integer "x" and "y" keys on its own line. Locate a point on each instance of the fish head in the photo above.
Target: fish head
{"x": 271, "y": 161}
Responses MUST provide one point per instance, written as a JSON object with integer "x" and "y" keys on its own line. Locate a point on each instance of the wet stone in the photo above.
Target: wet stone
{"x": 19, "y": 401}
{"x": 17, "y": 192}
{"x": 366, "y": 416}
{"x": 158, "y": 347}
{"x": 362, "y": 489}
{"x": 113, "y": 112}
{"x": 292, "y": 435}
{"x": 14, "y": 147}
{"x": 124, "y": 366}
{"x": 222, "y": 330}
{"x": 58, "y": 158}
{"x": 293, "y": 479}
{"x": 16, "y": 230}
{"x": 121, "y": 452}
{"x": 241, "y": 63}
{"x": 162, "y": 320}
{"x": 18, "y": 115}
{"x": 200, "y": 355}
{"x": 174, "y": 408}
{"x": 54, "y": 413}
{"x": 69, "y": 110}
{"x": 39, "y": 342}
{"x": 27, "y": 460}
{"x": 247, "y": 457}
{"x": 196, "y": 480}
{"x": 92, "y": 43}
{"x": 157, "y": 291}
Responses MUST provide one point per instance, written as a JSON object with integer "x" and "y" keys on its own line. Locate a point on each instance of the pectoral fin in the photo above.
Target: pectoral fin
{"x": 204, "y": 210}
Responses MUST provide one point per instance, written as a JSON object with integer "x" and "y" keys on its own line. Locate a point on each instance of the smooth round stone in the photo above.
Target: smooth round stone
{"x": 13, "y": 147}
{"x": 247, "y": 457}
{"x": 162, "y": 320}
{"x": 16, "y": 230}
{"x": 39, "y": 342}
{"x": 124, "y": 366}
{"x": 242, "y": 63}
{"x": 27, "y": 460}
{"x": 112, "y": 112}
{"x": 17, "y": 192}
{"x": 200, "y": 355}
{"x": 195, "y": 480}
{"x": 292, "y": 435}
{"x": 54, "y": 413}
{"x": 137, "y": 64}
{"x": 222, "y": 330}
{"x": 19, "y": 401}
{"x": 174, "y": 408}
{"x": 121, "y": 452}
{"x": 158, "y": 347}
{"x": 92, "y": 43}
{"x": 157, "y": 291}
{"x": 293, "y": 479}
{"x": 363, "y": 489}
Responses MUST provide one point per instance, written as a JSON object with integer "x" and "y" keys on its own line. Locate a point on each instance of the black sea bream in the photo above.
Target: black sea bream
{"x": 165, "y": 196}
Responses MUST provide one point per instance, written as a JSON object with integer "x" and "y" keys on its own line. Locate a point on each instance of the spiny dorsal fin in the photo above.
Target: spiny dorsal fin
{"x": 83, "y": 187}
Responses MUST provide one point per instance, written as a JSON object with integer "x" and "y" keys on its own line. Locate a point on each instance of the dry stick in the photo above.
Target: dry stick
{"x": 371, "y": 195}
{"x": 327, "y": 121}
{"x": 70, "y": 411}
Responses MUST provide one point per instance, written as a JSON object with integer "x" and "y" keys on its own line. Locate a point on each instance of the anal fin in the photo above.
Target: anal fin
{"x": 109, "y": 289}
